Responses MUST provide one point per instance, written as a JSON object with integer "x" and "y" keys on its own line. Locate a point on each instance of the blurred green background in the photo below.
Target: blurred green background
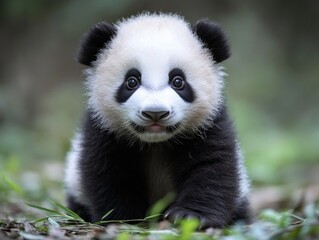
{"x": 272, "y": 87}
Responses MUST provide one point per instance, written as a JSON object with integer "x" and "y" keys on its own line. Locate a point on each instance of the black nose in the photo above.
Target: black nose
{"x": 155, "y": 115}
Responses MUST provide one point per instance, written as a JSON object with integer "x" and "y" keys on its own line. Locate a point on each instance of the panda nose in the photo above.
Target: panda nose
{"x": 155, "y": 115}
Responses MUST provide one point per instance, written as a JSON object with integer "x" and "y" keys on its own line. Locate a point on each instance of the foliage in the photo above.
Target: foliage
{"x": 65, "y": 224}
{"x": 52, "y": 220}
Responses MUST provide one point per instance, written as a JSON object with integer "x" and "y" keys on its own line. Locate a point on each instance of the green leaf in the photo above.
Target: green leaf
{"x": 161, "y": 204}
{"x": 50, "y": 211}
{"x": 107, "y": 214}
{"x": 155, "y": 216}
{"x": 286, "y": 219}
{"x": 40, "y": 220}
{"x": 123, "y": 236}
{"x": 271, "y": 216}
{"x": 67, "y": 210}
{"x": 44, "y": 209}
{"x": 188, "y": 227}
{"x": 119, "y": 221}
{"x": 13, "y": 185}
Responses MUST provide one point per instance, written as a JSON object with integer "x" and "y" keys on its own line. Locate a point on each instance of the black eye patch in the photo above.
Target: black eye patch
{"x": 178, "y": 82}
{"x": 130, "y": 84}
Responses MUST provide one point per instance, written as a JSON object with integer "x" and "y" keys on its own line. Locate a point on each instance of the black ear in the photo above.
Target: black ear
{"x": 214, "y": 39}
{"x": 93, "y": 41}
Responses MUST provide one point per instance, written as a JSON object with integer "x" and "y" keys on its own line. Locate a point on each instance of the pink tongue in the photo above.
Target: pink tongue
{"x": 155, "y": 128}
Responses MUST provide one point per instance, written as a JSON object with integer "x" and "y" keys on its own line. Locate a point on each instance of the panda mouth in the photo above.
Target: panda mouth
{"x": 155, "y": 128}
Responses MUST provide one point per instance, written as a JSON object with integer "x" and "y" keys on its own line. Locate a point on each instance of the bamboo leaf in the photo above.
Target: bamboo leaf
{"x": 50, "y": 211}
{"x": 107, "y": 214}
{"x": 67, "y": 210}
{"x": 44, "y": 209}
{"x": 152, "y": 216}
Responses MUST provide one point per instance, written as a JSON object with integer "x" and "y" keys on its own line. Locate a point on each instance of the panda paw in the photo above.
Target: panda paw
{"x": 175, "y": 214}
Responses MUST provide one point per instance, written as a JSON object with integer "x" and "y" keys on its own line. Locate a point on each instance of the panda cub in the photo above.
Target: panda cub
{"x": 156, "y": 123}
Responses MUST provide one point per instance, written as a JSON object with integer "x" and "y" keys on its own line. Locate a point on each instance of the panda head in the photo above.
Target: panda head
{"x": 153, "y": 76}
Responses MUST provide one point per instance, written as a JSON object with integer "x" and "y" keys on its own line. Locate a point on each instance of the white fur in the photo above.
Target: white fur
{"x": 244, "y": 183}
{"x": 72, "y": 172}
{"x": 154, "y": 44}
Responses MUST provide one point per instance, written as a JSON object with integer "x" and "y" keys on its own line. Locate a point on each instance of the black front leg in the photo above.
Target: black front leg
{"x": 116, "y": 183}
{"x": 112, "y": 175}
{"x": 207, "y": 178}
{"x": 124, "y": 201}
{"x": 208, "y": 194}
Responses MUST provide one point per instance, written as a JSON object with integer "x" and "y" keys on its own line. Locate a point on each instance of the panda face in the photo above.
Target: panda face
{"x": 155, "y": 112}
{"x": 154, "y": 81}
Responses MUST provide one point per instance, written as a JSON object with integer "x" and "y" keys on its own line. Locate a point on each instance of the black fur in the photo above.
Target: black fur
{"x": 203, "y": 171}
{"x": 214, "y": 39}
{"x": 95, "y": 40}
{"x": 123, "y": 93}
{"x": 102, "y": 33}
{"x": 79, "y": 208}
{"x": 187, "y": 93}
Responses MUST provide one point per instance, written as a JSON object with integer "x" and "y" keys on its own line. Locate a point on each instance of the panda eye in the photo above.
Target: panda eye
{"x": 132, "y": 83}
{"x": 178, "y": 82}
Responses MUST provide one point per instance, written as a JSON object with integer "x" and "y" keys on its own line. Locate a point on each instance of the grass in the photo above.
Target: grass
{"x": 52, "y": 220}
{"x": 65, "y": 224}
{"x": 28, "y": 213}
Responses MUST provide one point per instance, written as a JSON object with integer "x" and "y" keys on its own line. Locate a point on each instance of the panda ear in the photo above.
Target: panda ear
{"x": 214, "y": 39}
{"x": 93, "y": 41}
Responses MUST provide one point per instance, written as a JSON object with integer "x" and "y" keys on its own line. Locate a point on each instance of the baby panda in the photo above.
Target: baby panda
{"x": 156, "y": 123}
